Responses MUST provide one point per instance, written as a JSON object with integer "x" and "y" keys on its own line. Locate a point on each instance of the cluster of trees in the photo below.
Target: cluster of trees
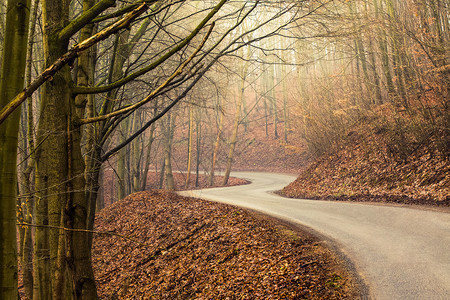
{"x": 248, "y": 90}
{"x": 386, "y": 58}
{"x": 98, "y": 74}
{"x": 207, "y": 130}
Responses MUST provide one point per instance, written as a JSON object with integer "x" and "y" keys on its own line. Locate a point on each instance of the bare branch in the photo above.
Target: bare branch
{"x": 125, "y": 80}
{"x": 73, "y": 53}
{"x": 154, "y": 92}
{"x": 74, "y": 26}
{"x": 86, "y": 231}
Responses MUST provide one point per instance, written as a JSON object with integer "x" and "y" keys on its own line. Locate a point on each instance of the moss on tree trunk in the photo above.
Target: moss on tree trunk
{"x": 11, "y": 83}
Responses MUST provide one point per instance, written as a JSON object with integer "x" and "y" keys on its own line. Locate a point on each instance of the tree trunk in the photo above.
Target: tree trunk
{"x": 121, "y": 162}
{"x": 241, "y": 95}
{"x": 137, "y": 155}
{"x": 26, "y": 255}
{"x": 27, "y": 247}
{"x": 397, "y": 64}
{"x": 162, "y": 173}
{"x": 233, "y": 140}
{"x": 376, "y": 76}
{"x": 60, "y": 179}
{"x": 384, "y": 50}
{"x": 78, "y": 243}
{"x": 11, "y": 83}
{"x": 148, "y": 156}
{"x": 273, "y": 100}
{"x": 190, "y": 140}
{"x": 284, "y": 76}
{"x": 217, "y": 143}
{"x": 198, "y": 153}
{"x": 169, "y": 131}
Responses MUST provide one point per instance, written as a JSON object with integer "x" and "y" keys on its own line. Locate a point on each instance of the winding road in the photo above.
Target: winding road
{"x": 399, "y": 252}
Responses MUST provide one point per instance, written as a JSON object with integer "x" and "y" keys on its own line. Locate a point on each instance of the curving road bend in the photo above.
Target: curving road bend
{"x": 400, "y": 253}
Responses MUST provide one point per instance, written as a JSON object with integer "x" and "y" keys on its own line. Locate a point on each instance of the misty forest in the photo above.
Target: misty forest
{"x": 108, "y": 109}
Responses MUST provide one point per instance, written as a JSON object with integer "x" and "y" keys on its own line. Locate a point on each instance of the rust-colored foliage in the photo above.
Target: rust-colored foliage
{"x": 196, "y": 249}
{"x": 369, "y": 165}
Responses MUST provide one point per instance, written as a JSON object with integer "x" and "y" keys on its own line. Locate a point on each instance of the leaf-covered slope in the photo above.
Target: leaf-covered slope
{"x": 194, "y": 249}
{"x": 370, "y": 166}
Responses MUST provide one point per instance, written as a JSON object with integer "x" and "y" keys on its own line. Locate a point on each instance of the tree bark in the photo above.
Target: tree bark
{"x": 11, "y": 83}
{"x": 168, "y": 139}
{"x": 198, "y": 151}
{"x": 148, "y": 156}
{"x": 190, "y": 142}
{"x": 28, "y": 174}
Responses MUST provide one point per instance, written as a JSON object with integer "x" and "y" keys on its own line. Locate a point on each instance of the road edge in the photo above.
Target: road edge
{"x": 358, "y": 283}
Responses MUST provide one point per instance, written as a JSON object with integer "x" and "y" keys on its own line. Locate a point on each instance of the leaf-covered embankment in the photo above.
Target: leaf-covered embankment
{"x": 376, "y": 163}
{"x": 194, "y": 249}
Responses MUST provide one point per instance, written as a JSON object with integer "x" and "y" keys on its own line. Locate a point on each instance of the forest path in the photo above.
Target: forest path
{"x": 400, "y": 252}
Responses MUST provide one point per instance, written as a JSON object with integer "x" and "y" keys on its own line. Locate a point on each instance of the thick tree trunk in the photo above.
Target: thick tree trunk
{"x": 51, "y": 158}
{"x": 78, "y": 243}
{"x": 52, "y": 176}
{"x": 60, "y": 179}
{"x": 11, "y": 83}
{"x": 85, "y": 105}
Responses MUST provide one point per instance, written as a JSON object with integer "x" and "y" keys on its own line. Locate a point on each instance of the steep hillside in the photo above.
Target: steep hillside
{"x": 369, "y": 166}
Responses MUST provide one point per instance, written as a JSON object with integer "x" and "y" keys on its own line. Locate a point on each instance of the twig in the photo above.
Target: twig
{"x": 308, "y": 263}
{"x": 87, "y": 231}
{"x": 155, "y": 92}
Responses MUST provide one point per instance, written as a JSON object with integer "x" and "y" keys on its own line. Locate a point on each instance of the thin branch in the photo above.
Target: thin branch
{"x": 125, "y": 10}
{"x": 74, "y": 26}
{"x": 85, "y": 230}
{"x": 125, "y": 80}
{"x": 34, "y": 150}
{"x": 154, "y": 92}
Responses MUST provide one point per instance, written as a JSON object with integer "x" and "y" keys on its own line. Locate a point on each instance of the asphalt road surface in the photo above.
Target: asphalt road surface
{"x": 399, "y": 252}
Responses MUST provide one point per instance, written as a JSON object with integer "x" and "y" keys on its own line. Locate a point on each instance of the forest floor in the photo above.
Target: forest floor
{"x": 173, "y": 247}
{"x": 159, "y": 245}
